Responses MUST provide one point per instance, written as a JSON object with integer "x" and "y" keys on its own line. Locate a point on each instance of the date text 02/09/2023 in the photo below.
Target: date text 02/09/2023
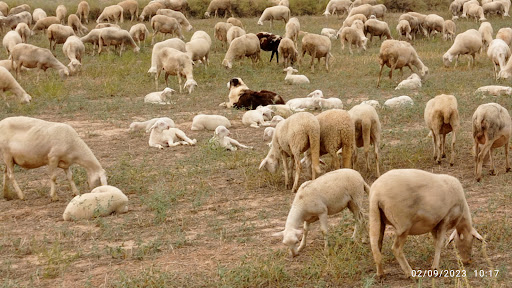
{"x": 454, "y": 273}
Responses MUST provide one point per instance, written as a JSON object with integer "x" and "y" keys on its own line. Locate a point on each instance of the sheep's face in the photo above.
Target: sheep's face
{"x": 447, "y": 59}
{"x": 291, "y": 239}
{"x": 97, "y": 179}
{"x": 226, "y": 63}
{"x": 64, "y": 72}
{"x": 270, "y": 163}
{"x": 190, "y": 85}
{"x": 222, "y": 131}
{"x": 316, "y": 94}
{"x": 464, "y": 243}
{"x": 26, "y": 98}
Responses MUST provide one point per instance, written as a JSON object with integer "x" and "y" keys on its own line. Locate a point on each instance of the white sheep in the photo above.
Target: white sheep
{"x": 433, "y": 23}
{"x": 279, "y": 12}
{"x": 404, "y": 29}
{"x": 235, "y": 22}
{"x": 165, "y": 25}
{"x": 412, "y": 82}
{"x": 318, "y": 46}
{"x": 327, "y": 195}
{"x": 37, "y": 14}
{"x": 30, "y": 56}
{"x": 329, "y": 32}
{"x": 416, "y": 202}
{"x": 209, "y": 122}
{"x": 139, "y": 32}
{"x": 163, "y": 135}
{"x": 24, "y": 31}
{"x": 198, "y": 50}
{"x": 233, "y": 33}
{"x": 74, "y": 22}
{"x": 495, "y": 7}
{"x": 82, "y": 11}
{"x": 292, "y": 30}
{"x": 247, "y": 45}
{"x": 398, "y": 102}
{"x": 161, "y": 97}
{"x": 495, "y": 90}
{"x": 300, "y": 104}
{"x": 350, "y": 20}
{"x": 330, "y": 103}
{"x": 175, "y": 62}
{"x": 376, "y": 27}
{"x": 288, "y": 51}
{"x": 102, "y": 201}
{"x": 111, "y": 13}
{"x": 506, "y": 3}
{"x": 216, "y": 5}
{"x": 220, "y": 31}
{"x": 73, "y": 48}
{"x": 491, "y": 129}
{"x": 281, "y": 110}
{"x": 275, "y": 120}
{"x": 43, "y": 24}
{"x": 32, "y": 143}
{"x": 294, "y": 79}
{"x": 374, "y": 103}
{"x": 58, "y": 33}
{"x": 499, "y": 53}
{"x": 61, "y": 13}
{"x": 353, "y": 36}
{"x": 367, "y": 132}
{"x": 8, "y": 83}
{"x": 117, "y": 37}
{"x": 505, "y": 34}
{"x": 338, "y": 7}
{"x": 486, "y": 31}
{"x": 145, "y": 125}
{"x": 449, "y": 30}
{"x": 150, "y": 10}
{"x": 254, "y": 118}
{"x": 442, "y": 117}
{"x": 130, "y": 6}
{"x": 468, "y": 42}
{"x": 11, "y": 39}
{"x": 221, "y": 138}
{"x": 178, "y": 16}
{"x": 268, "y": 133}
{"x": 175, "y": 43}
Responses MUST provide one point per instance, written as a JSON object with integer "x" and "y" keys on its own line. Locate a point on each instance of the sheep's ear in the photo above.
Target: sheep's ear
{"x": 152, "y": 127}
{"x": 451, "y": 237}
{"x": 476, "y": 234}
{"x": 278, "y": 234}
{"x": 263, "y": 163}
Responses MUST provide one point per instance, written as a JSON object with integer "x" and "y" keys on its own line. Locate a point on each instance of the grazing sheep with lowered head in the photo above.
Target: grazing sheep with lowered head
{"x": 8, "y": 83}
{"x": 468, "y": 42}
{"x": 247, "y": 45}
{"x": 30, "y": 56}
{"x": 73, "y": 48}
{"x": 216, "y": 5}
{"x": 275, "y": 13}
{"x": 82, "y": 11}
{"x": 367, "y": 132}
{"x": 175, "y": 62}
{"x": 111, "y": 13}
{"x": 288, "y": 51}
{"x": 499, "y": 53}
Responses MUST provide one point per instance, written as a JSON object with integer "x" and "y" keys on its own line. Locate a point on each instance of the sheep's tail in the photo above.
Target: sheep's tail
{"x": 366, "y": 188}
{"x": 377, "y": 226}
{"x": 314, "y": 147}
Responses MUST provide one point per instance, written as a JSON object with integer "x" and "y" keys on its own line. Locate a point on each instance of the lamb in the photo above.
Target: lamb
{"x": 505, "y": 34}
{"x": 161, "y": 97}
{"x": 468, "y": 42}
{"x": 165, "y": 25}
{"x": 74, "y": 22}
{"x": 44, "y": 23}
{"x": 32, "y": 143}
{"x": 376, "y": 27}
{"x": 175, "y": 62}
{"x": 499, "y": 53}
{"x": 416, "y": 202}
{"x": 398, "y": 54}
{"x": 288, "y": 51}
{"x": 73, "y": 48}
{"x": 398, "y": 102}
{"x": 221, "y": 30}
{"x": 494, "y": 7}
{"x": 275, "y": 13}
{"x": 353, "y": 36}
{"x": 374, "y": 103}
{"x": 61, "y": 13}
{"x": 311, "y": 102}
{"x": 150, "y": 10}
{"x": 233, "y": 33}
{"x": 235, "y": 22}
{"x": 281, "y": 110}
{"x": 442, "y": 117}
{"x": 292, "y": 29}
{"x": 367, "y": 130}
{"x": 118, "y": 37}
{"x": 330, "y": 103}
{"x": 404, "y": 29}
{"x": 449, "y": 30}
{"x": 294, "y": 79}
{"x": 318, "y": 46}
{"x": 268, "y": 133}
{"x": 139, "y": 32}
{"x": 102, "y": 201}
{"x": 11, "y": 39}
{"x": 221, "y": 138}
{"x": 292, "y": 137}
{"x": 175, "y": 43}
{"x": 178, "y": 16}
{"x": 338, "y": 7}
{"x": 433, "y": 23}
{"x": 162, "y": 135}
{"x": 82, "y": 11}
{"x": 111, "y": 13}
{"x": 135, "y": 126}
{"x": 491, "y": 129}
{"x": 250, "y": 99}
{"x": 327, "y": 195}
{"x": 209, "y": 122}
{"x": 486, "y": 31}
{"x": 412, "y": 82}
{"x": 30, "y": 56}
{"x": 130, "y": 6}
{"x": 216, "y": 5}
{"x": 254, "y": 118}
{"x": 37, "y": 14}
{"x": 269, "y": 42}
{"x": 8, "y": 83}
{"x": 58, "y": 33}
{"x": 495, "y": 90}
{"x": 247, "y": 45}
{"x": 329, "y": 32}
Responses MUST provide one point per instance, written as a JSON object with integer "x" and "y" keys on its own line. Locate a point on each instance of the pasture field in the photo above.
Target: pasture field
{"x": 203, "y": 217}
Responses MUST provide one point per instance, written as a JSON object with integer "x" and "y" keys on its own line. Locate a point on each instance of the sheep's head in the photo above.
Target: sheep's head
{"x": 271, "y": 162}
{"x": 166, "y": 94}
{"x": 226, "y": 63}
{"x": 64, "y": 72}
{"x": 316, "y": 94}
{"x": 74, "y": 66}
{"x": 136, "y": 49}
{"x": 98, "y": 178}
{"x": 25, "y": 98}
{"x": 222, "y": 131}
{"x": 268, "y": 133}
{"x": 159, "y": 125}
{"x": 190, "y": 85}
{"x": 291, "y": 238}
{"x": 207, "y": 14}
{"x": 447, "y": 59}
{"x": 260, "y": 22}
{"x": 464, "y": 243}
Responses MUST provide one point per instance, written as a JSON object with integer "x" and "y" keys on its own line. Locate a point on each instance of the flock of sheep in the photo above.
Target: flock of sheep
{"x": 299, "y": 138}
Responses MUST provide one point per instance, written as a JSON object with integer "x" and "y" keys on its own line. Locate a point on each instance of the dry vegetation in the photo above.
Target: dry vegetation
{"x": 203, "y": 217}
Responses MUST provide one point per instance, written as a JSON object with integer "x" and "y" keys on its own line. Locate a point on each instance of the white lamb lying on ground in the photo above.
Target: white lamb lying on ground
{"x": 134, "y": 126}
{"x": 312, "y": 101}
{"x": 162, "y": 135}
{"x": 161, "y": 97}
{"x": 397, "y": 102}
{"x": 102, "y": 201}
{"x": 373, "y": 103}
{"x": 495, "y": 90}
{"x": 412, "y": 82}
{"x": 294, "y": 79}
{"x": 209, "y": 122}
{"x": 220, "y": 138}
{"x": 256, "y": 118}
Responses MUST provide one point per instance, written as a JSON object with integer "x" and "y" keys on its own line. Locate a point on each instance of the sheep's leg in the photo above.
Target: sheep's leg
{"x": 380, "y": 74}
{"x": 493, "y": 168}
{"x": 324, "y": 227}
{"x": 398, "y": 251}
{"x": 439, "y": 235}
{"x": 452, "y": 158}
{"x": 304, "y": 236}
{"x": 181, "y": 135}
{"x": 376, "y": 146}
{"x": 69, "y": 175}
{"x": 360, "y": 226}
{"x": 9, "y": 176}
{"x": 434, "y": 144}
{"x": 437, "y": 138}
{"x": 484, "y": 150}
{"x": 335, "y": 162}
{"x": 285, "y": 168}
{"x": 443, "y": 145}
{"x": 298, "y": 168}
{"x": 476, "y": 150}
{"x": 507, "y": 163}
{"x": 52, "y": 166}
{"x": 313, "y": 55}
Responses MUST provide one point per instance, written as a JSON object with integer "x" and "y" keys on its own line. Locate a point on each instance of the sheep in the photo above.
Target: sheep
{"x": 233, "y": 33}
{"x": 8, "y": 83}
{"x": 506, "y": 4}
{"x": 414, "y": 23}
{"x": 311, "y": 102}
{"x": 82, "y": 11}
{"x": 379, "y": 11}
{"x": 495, "y": 90}
{"x": 361, "y": 2}
{"x": 73, "y": 48}
{"x": 178, "y": 16}
{"x": 18, "y": 9}
{"x": 161, "y": 97}
{"x": 112, "y": 12}
{"x": 365, "y": 9}
{"x": 247, "y": 45}
{"x": 106, "y": 25}
{"x": 250, "y": 99}
{"x": 292, "y": 137}
{"x": 235, "y": 22}
{"x": 374, "y": 103}
{"x": 209, "y": 122}
{"x": 266, "y": 112}
{"x": 175, "y": 62}
{"x": 58, "y": 33}
{"x": 329, "y": 32}
{"x": 44, "y": 23}
{"x": 486, "y": 31}
{"x": 102, "y": 201}
{"x": 412, "y": 82}
{"x": 353, "y": 36}
{"x": 177, "y": 5}
{"x": 456, "y": 7}
{"x": 61, "y": 13}
{"x": 175, "y": 43}
{"x": 139, "y": 32}
{"x": 198, "y": 49}
{"x": 162, "y": 135}
{"x": 468, "y": 42}
{"x": 350, "y": 20}
{"x": 499, "y": 53}
{"x": 330, "y": 103}
{"x": 404, "y": 29}
{"x": 221, "y": 139}
{"x": 254, "y": 119}
{"x": 150, "y": 10}
{"x": 32, "y": 143}
{"x": 221, "y": 30}
{"x": 367, "y": 130}
{"x": 145, "y": 125}
{"x": 442, "y": 117}
{"x": 505, "y": 34}
{"x": 288, "y": 51}
{"x": 433, "y": 23}
{"x": 269, "y": 42}
{"x": 318, "y": 46}
{"x": 398, "y": 54}
{"x": 466, "y": 5}
{"x": 165, "y": 25}
{"x": 416, "y": 202}
{"x": 449, "y": 30}
{"x": 294, "y": 79}
{"x": 491, "y": 129}
{"x": 92, "y": 37}
{"x": 275, "y": 13}
{"x": 398, "y": 102}
{"x": 200, "y": 34}
{"x": 292, "y": 29}
{"x": 74, "y": 22}
{"x": 30, "y": 56}
{"x": 11, "y": 39}
{"x": 130, "y": 6}
{"x": 327, "y": 195}
{"x": 37, "y": 14}
{"x": 494, "y": 8}
{"x": 476, "y": 12}
{"x": 268, "y": 133}
{"x": 338, "y": 7}
{"x": 216, "y": 5}
{"x": 376, "y": 27}
{"x": 281, "y": 110}
{"x": 117, "y": 37}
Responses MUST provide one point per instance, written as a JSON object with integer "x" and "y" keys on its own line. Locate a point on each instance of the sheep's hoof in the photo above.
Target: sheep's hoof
{"x": 478, "y": 179}
{"x": 439, "y": 162}
{"x": 54, "y": 199}
{"x": 491, "y": 172}
{"x": 507, "y": 170}
{"x": 444, "y": 156}
{"x": 451, "y": 164}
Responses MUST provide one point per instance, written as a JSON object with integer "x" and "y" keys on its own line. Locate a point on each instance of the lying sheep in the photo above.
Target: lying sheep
{"x": 135, "y": 126}
{"x": 57, "y": 145}
{"x": 117, "y": 37}
{"x": 468, "y": 42}
{"x": 30, "y": 56}
{"x": 209, "y": 122}
{"x": 294, "y": 79}
{"x": 176, "y": 15}
{"x": 175, "y": 43}
{"x": 221, "y": 139}
{"x": 130, "y": 6}
{"x": 8, "y": 83}
{"x": 73, "y": 48}
{"x": 327, "y": 195}
{"x": 247, "y": 45}
{"x": 317, "y": 46}
{"x": 165, "y": 25}
{"x": 281, "y": 110}
{"x": 175, "y": 62}
{"x": 300, "y": 104}
{"x": 139, "y": 32}
{"x": 495, "y": 90}
{"x": 58, "y": 34}
{"x": 82, "y": 11}
{"x": 74, "y": 22}
{"x": 11, "y": 39}
{"x": 442, "y": 117}
{"x": 491, "y": 129}
{"x": 416, "y": 202}
{"x": 163, "y": 135}
{"x": 216, "y": 5}
{"x": 254, "y": 118}
{"x": 111, "y": 13}
{"x": 161, "y": 97}
{"x": 330, "y": 103}
{"x": 499, "y": 53}
{"x": 398, "y": 102}
{"x": 288, "y": 52}
{"x": 268, "y": 133}
{"x": 374, "y": 103}
{"x": 449, "y": 30}
{"x": 275, "y": 13}
{"x": 412, "y": 82}
{"x": 102, "y": 201}
{"x": 367, "y": 132}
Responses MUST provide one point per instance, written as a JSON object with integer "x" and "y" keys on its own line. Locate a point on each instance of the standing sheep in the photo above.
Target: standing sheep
{"x": 165, "y": 25}
{"x": 449, "y": 30}
{"x": 175, "y": 43}
{"x": 175, "y": 62}
{"x": 338, "y": 7}
{"x": 139, "y": 32}
{"x": 198, "y": 50}
{"x": 367, "y": 132}
{"x": 288, "y": 52}
{"x": 221, "y": 31}
{"x": 216, "y": 5}
{"x": 499, "y": 53}
{"x": 118, "y": 37}
{"x": 234, "y": 32}
{"x": 8, "y": 83}
{"x": 37, "y": 14}
{"x": 82, "y": 11}
{"x": 292, "y": 29}
{"x": 433, "y": 23}
{"x": 57, "y": 34}
{"x": 61, "y": 13}
{"x": 353, "y": 36}
{"x": 178, "y": 16}
{"x": 11, "y": 39}
{"x": 468, "y": 42}
{"x": 102, "y": 201}
{"x": 247, "y": 45}
{"x": 318, "y": 46}
{"x": 275, "y": 13}
{"x": 44, "y": 23}
{"x": 130, "y": 6}
{"x": 486, "y": 31}
{"x": 77, "y": 26}
{"x": 30, "y": 56}
{"x": 150, "y": 10}
{"x": 505, "y": 34}
{"x": 376, "y": 27}
{"x": 111, "y": 13}
{"x": 74, "y": 48}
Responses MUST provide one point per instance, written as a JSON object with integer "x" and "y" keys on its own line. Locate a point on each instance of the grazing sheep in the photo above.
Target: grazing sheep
{"x": 433, "y": 23}
{"x": 165, "y": 25}
{"x": 221, "y": 138}
{"x": 106, "y": 25}
{"x": 505, "y": 34}
{"x": 361, "y": 2}
{"x": 102, "y": 201}
{"x": 292, "y": 30}
{"x": 327, "y": 195}
{"x": 365, "y": 9}
{"x": 198, "y": 50}
{"x": 486, "y": 31}
{"x": 209, "y": 122}
{"x": 404, "y": 29}
{"x": 8, "y": 83}
{"x": 200, "y": 34}
{"x": 37, "y": 14}
{"x": 4, "y": 8}
{"x": 135, "y": 126}
{"x": 268, "y": 133}
{"x": 19, "y": 9}
{"x": 353, "y": 36}
{"x": 477, "y": 12}
{"x": 162, "y": 135}
{"x": 412, "y": 82}
{"x": 235, "y": 22}
{"x": 175, "y": 62}
{"x": 82, "y": 11}
{"x": 494, "y": 7}
{"x": 178, "y": 16}
{"x": 11, "y": 39}
{"x": 499, "y": 53}
{"x": 350, "y": 20}
{"x": 416, "y": 202}
{"x": 254, "y": 118}
{"x": 11, "y": 21}
{"x": 318, "y": 46}
{"x": 294, "y": 79}
{"x": 269, "y": 42}
{"x": 398, "y": 54}
{"x": 288, "y": 51}
{"x": 250, "y": 99}
{"x": 292, "y": 137}
{"x": 118, "y": 37}
{"x": 442, "y": 117}
{"x": 233, "y": 33}
{"x": 449, "y": 30}
{"x": 414, "y": 23}
{"x": 73, "y": 48}
{"x": 367, "y": 132}
{"x": 338, "y": 7}
{"x": 491, "y": 129}
{"x": 111, "y": 13}
{"x": 161, "y": 97}
{"x": 32, "y": 143}
{"x": 150, "y": 10}
{"x": 139, "y": 32}
{"x": 61, "y": 13}
{"x": 220, "y": 31}
{"x": 93, "y": 38}
{"x": 58, "y": 33}
{"x": 495, "y": 90}
{"x": 329, "y": 32}
{"x": 30, "y": 56}
{"x": 376, "y": 27}
{"x": 44, "y": 23}
{"x": 130, "y": 6}
{"x": 175, "y": 43}
{"x": 275, "y": 13}
{"x": 216, "y": 5}
{"x": 398, "y": 102}
{"x": 24, "y": 31}
{"x": 77, "y": 26}
{"x": 247, "y": 45}
{"x": 468, "y": 42}
{"x": 506, "y": 4}
{"x": 374, "y": 103}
